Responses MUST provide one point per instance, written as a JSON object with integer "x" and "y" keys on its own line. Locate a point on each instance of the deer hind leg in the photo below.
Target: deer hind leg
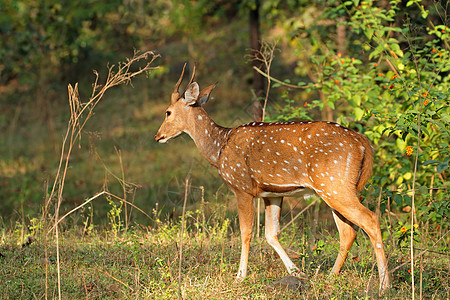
{"x": 272, "y": 229}
{"x": 351, "y": 209}
{"x": 347, "y": 235}
{"x": 246, "y": 211}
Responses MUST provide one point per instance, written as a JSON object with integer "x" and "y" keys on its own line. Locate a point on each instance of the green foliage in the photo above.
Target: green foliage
{"x": 396, "y": 93}
{"x": 39, "y": 39}
{"x": 114, "y": 216}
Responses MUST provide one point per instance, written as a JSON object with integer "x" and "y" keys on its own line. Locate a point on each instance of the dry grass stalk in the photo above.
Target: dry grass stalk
{"x": 183, "y": 225}
{"x": 265, "y": 55}
{"x": 80, "y": 113}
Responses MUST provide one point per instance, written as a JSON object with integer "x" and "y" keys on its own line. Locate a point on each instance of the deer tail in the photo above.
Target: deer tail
{"x": 366, "y": 166}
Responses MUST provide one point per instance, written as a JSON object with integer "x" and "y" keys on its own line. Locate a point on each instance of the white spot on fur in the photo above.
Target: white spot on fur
{"x": 347, "y": 167}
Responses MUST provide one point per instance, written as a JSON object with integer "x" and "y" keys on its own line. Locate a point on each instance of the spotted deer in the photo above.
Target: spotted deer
{"x": 275, "y": 160}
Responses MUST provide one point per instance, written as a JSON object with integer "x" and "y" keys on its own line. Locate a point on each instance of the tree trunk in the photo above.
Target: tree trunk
{"x": 258, "y": 79}
{"x": 341, "y": 36}
{"x": 341, "y": 40}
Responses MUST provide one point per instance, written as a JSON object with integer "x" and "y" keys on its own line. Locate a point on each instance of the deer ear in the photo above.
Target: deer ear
{"x": 204, "y": 94}
{"x": 191, "y": 94}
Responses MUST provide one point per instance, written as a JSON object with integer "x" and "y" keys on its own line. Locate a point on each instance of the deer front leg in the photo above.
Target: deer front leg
{"x": 246, "y": 211}
{"x": 272, "y": 229}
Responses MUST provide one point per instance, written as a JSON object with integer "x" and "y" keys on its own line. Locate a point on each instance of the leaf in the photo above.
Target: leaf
{"x": 357, "y": 99}
{"x": 359, "y": 113}
{"x": 375, "y": 53}
{"x": 398, "y": 199}
{"x": 414, "y": 127}
{"x": 405, "y": 135}
{"x": 442, "y": 167}
{"x": 407, "y": 175}
{"x": 369, "y": 33}
{"x": 429, "y": 162}
{"x": 424, "y": 14}
{"x": 408, "y": 200}
{"x": 401, "y": 144}
{"x": 423, "y": 190}
{"x": 331, "y": 104}
{"x": 396, "y": 49}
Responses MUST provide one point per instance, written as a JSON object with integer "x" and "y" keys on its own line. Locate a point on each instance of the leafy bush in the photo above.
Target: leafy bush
{"x": 396, "y": 93}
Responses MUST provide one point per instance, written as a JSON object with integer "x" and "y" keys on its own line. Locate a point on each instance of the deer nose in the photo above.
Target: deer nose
{"x": 158, "y": 137}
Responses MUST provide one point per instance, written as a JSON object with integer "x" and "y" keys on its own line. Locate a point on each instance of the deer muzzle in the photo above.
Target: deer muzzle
{"x": 160, "y": 138}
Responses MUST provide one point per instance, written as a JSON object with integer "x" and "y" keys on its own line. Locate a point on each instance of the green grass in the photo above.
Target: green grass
{"x": 143, "y": 263}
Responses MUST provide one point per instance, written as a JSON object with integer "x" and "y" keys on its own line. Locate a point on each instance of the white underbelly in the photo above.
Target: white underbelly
{"x": 303, "y": 192}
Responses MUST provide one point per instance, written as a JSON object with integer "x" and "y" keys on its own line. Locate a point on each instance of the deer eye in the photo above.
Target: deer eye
{"x": 168, "y": 113}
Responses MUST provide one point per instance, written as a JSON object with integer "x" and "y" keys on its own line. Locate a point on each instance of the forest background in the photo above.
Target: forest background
{"x": 380, "y": 68}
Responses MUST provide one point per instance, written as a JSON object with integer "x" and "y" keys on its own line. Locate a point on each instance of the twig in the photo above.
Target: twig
{"x": 119, "y": 281}
{"x": 298, "y": 215}
{"x": 431, "y": 251}
{"x": 258, "y": 214}
{"x": 279, "y": 81}
{"x": 123, "y": 184}
{"x": 95, "y": 197}
{"x": 186, "y": 191}
{"x": 368, "y": 281}
{"x": 265, "y": 55}
{"x": 413, "y": 204}
{"x": 84, "y": 285}
{"x": 378, "y": 212}
{"x": 128, "y": 184}
{"x": 421, "y": 253}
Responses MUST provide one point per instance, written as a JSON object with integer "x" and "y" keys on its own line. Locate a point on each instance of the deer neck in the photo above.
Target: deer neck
{"x": 209, "y": 137}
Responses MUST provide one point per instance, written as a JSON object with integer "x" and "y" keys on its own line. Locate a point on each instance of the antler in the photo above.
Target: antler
{"x": 193, "y": 74}
{"x": 176, "y": 93}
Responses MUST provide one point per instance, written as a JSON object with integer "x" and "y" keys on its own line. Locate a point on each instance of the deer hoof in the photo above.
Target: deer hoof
{"x": 239, "y": 280}
{"x": 300, "y": 275}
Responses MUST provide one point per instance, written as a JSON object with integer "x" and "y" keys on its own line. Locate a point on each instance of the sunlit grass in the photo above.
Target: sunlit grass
{"x": 143, "y": 263}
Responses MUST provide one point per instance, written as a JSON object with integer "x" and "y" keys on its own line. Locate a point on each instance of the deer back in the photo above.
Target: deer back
{"x": 285, "y": 156}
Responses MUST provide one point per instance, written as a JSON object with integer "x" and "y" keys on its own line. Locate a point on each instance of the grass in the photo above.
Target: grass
{"x": 99, "y": 259}
{"x": 143, "y": 264}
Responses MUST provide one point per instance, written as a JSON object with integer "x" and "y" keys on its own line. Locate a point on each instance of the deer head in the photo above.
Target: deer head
{"x": 180, "y": 111}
